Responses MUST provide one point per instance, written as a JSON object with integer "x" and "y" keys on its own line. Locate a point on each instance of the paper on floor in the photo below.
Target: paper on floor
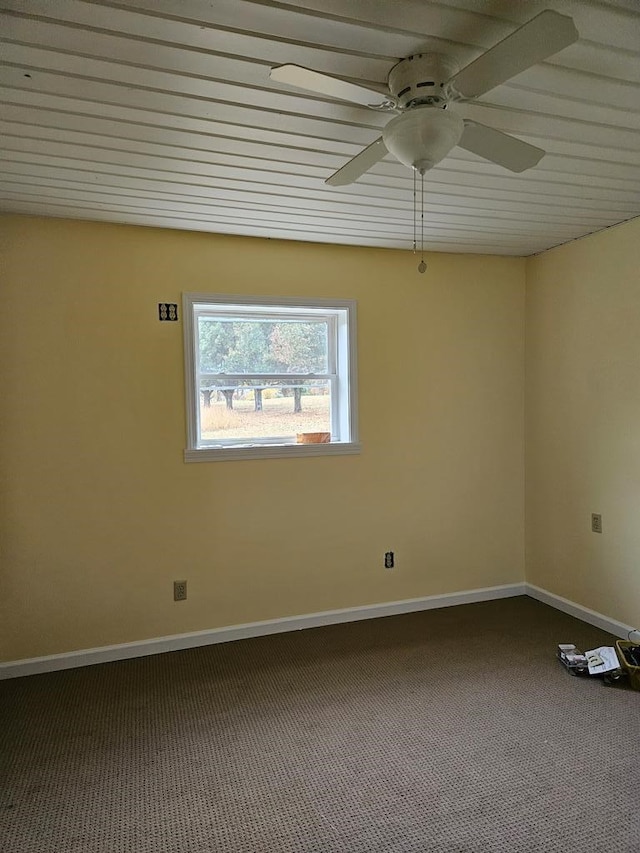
{"x": 602, "y": 660}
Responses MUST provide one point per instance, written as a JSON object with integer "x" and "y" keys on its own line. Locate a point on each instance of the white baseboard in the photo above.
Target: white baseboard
{"x": 157, "y": 645}
{"x": 176, "y": 642}
{"x": 619, "y": 629}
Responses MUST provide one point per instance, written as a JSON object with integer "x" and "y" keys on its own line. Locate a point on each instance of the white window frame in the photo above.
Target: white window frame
{"x": 341, "y": 315}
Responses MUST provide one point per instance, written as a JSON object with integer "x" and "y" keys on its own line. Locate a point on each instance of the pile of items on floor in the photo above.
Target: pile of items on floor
{"x": 612, "y": 664}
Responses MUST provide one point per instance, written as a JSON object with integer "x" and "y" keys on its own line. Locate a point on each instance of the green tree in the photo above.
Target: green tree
{"x": 239, "y": 346}
{"x": 299, "y": 348}
{"x": 251, "y": 354}
{"x": 253, "y": 346}
{"x": 216, "y": 338}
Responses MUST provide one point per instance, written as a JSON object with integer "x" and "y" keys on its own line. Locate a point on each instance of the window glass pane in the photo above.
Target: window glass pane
{"x": 237, "y": 345}
{"x": 265, "y": 411}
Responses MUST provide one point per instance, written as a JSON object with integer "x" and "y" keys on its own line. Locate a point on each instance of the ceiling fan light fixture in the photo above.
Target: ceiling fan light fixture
{"x": 422, "y": 136}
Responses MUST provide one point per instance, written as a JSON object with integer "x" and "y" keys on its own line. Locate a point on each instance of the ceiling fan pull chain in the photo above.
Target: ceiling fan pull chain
{"x": 415, "y": 213}
{"x": 422, "y": 266}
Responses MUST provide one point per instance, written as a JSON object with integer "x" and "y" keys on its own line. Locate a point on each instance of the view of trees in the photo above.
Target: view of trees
{"x": 263, "y": 347}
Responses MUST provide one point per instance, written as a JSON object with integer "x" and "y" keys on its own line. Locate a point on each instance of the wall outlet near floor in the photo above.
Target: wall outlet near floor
{"x": 596, "y": 522}
{"x": 179, "y": 590}
{"x": 388, "y": 560}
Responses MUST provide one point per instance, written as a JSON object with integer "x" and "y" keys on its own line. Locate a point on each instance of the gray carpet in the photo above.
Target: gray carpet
{"x": 450, "y": 730}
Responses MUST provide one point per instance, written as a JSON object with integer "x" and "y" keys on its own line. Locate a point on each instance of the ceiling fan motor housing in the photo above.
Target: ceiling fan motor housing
{"x": 422, "y": 136}
{"x": 421, "y": 79}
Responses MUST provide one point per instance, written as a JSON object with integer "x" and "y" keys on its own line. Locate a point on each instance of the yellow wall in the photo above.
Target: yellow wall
{"x": 100, "y": 513}
{"x": 583, "y": 421}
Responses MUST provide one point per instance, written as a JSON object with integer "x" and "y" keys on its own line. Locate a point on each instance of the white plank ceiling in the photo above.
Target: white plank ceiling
{"x": 162, "y": 113}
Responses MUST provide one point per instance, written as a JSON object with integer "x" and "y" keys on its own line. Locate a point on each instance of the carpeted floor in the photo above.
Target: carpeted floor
{"x": 449, "y": 730}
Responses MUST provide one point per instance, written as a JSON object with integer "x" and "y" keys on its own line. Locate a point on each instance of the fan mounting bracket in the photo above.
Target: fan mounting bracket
{"x": 422, "y": 79}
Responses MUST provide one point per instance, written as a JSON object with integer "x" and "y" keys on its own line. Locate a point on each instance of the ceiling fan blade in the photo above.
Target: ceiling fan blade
{"x": 539, "y": 38}
{"x": 499, "y": 148}
{"x": 324, "y": 84}
{"x": 359, "y": 164}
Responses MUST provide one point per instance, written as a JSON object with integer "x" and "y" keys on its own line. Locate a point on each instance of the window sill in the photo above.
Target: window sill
{"x": 275, "y": 451}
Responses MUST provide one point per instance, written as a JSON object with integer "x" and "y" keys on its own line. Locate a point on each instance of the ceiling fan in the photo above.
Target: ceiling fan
{"x": 420, "y": 90}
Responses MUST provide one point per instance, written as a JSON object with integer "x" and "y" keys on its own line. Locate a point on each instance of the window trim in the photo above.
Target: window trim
{"x": 207, "y": 453}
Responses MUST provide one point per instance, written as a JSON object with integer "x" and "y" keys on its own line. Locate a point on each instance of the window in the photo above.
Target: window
{"x": 269, "y": 377}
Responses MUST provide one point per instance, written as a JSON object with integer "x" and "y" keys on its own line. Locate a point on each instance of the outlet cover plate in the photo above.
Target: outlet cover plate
{"x": 179, "y": 590}
{"x": 596, "y": 522}
{"x": 168, "y": 311}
